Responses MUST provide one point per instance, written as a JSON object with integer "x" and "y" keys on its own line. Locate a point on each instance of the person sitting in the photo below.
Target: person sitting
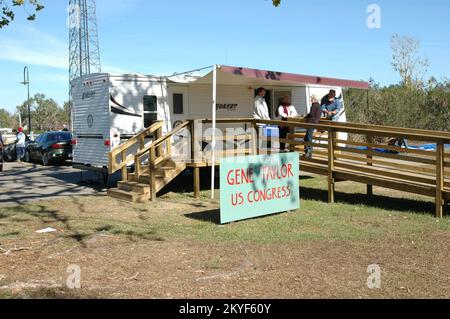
{"x": 332, "y": 106}
{"x": 285, "y": 111}
{"x": 313, "y": 117}
{"x": 261, "y": 110}
{"x": 398, "y": 142}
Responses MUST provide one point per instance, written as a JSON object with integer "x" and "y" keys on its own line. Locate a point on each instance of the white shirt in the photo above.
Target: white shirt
{"x": 261, "y": 111}
{"x": 20, "y": 140}
{"x": 292, "y": 112}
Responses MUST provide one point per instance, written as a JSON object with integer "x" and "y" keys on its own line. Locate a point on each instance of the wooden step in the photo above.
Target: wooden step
{"x": 143, "y": 189}
{"x": 161, "y": 181}
{"x": 131, "y": 197}
{"x": 138, "y": 190}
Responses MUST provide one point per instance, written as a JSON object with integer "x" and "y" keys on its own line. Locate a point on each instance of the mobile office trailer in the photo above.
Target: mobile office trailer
{"x": 109, "y": 109}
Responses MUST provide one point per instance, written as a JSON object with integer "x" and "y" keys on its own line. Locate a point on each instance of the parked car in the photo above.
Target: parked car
{"x": 50, "y": 147}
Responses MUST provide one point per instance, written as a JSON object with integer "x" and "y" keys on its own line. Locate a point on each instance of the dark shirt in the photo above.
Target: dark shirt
{"x": 325, "y": 100}
{"x": 1, "y": 140}
{"x": 315, "y": 114}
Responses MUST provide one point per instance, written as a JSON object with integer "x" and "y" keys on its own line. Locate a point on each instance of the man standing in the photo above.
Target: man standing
{"x": 20, "y": 145}
{"x": 261, "y": 111}
{"x": 332, "y": 106}
{"x": 312, "y": 118}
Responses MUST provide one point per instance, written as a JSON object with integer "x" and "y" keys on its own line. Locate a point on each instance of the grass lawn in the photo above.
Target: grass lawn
{"x": 174, "y": 248}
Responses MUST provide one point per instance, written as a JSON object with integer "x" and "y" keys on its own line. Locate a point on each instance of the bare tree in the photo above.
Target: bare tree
{"x": 407, "y": 62}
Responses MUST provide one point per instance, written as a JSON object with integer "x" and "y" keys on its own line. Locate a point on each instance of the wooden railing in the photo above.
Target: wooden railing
{"x": 363, "y": 158}
{"x": 376, "y": 164}
{"x": 156, "y": 153}
{"x": 127, "y": 149}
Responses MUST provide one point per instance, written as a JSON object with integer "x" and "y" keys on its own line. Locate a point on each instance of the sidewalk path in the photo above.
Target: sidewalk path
{"x": 23, "y": 183}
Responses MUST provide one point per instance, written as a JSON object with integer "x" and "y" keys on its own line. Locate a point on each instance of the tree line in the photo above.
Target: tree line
{"x": 413, "y": 103}
{"x": 46, "y": 115}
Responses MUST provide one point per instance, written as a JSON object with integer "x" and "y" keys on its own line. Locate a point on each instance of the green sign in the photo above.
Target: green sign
{"x": 254, "y": 186}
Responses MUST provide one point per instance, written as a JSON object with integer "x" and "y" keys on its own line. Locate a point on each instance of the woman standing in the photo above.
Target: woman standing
{"x": 285, "y": 111}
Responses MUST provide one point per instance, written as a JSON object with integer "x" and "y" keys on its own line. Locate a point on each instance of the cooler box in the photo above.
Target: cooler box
{"x": 271, "y": 131}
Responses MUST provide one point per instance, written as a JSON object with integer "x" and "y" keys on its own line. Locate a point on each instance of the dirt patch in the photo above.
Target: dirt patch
{"x": 124, "y": 269}
{"x": 174, "y": 249}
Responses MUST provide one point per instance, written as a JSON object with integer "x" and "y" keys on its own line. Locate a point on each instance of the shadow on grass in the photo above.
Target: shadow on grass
{"x": 213, "y": 216}
{"x": 150, "y": 235}
{"x": 210, "y": 216}
{"x": 375, "y": 201}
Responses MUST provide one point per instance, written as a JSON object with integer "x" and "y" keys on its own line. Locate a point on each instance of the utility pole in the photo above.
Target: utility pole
{"x": 26, "y": 81}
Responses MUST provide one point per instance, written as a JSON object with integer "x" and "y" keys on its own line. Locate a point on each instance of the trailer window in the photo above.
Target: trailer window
{"x": 178, "y": 103}
{"x": 150, "y": 110}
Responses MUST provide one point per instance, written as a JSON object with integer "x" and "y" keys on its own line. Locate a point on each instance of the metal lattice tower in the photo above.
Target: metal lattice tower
{"x": 83, "y": 44}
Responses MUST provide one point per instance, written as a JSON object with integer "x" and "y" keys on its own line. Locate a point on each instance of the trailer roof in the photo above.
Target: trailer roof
{"x": 242, "y": 76}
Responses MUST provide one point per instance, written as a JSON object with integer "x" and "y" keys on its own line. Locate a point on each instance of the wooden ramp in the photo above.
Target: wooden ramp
{"x": 357, "y": 159}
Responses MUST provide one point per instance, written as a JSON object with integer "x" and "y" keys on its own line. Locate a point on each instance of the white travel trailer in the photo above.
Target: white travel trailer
{"x": 108, "y": 109}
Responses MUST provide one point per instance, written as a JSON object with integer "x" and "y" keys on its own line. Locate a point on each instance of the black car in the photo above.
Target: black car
{"x": 50, "y": 147}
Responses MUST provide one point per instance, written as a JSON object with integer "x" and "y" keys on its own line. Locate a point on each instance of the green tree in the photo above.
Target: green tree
{"x": 7, "y": 8}
{"x": 407, "y": 62}
{"x": 46, "y": 114}
{"x": 64, "y": 116}
{"x": 6, "y": 119}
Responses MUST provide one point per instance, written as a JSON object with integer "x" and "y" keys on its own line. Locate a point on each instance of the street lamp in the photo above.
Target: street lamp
{"x": 26, "y": 81}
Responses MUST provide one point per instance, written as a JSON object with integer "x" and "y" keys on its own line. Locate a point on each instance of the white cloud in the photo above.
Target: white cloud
{"x": 33, "y": 47}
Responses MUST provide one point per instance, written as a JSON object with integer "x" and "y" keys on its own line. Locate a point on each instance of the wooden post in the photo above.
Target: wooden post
{"x": 124, "y": 168}
{"x": 254, "y": 140}
{"x": 440, "y": 153}
{"x": 112, "y": 163}
{"x": 160, "y": 147}
{"x": 193, "y": 140}
{"x": 331, "y": 181}
{"x": 196, "y": 133}
{"x": 151, "y": 172}
{"x": 196, "y": 182}
{"x": 370, "y": 163}
{"x": 141, "y": 142}
{"x": 291, "y": 132}
{"x": 258, "y": 138}
{"x": 169, "y": 146}
{"x": 137, "y": 167}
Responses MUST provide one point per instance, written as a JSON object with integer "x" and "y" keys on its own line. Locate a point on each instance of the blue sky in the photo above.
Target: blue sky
{"x": 320, "y": 37}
